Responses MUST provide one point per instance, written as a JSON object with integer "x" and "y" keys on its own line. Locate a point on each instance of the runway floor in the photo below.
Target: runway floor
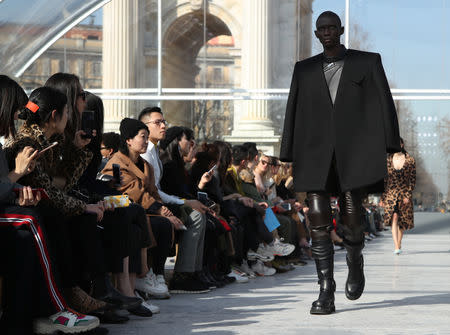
{"x": 405, "y": 294}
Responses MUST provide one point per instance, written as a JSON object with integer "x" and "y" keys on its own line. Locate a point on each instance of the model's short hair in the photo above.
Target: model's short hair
{"x": 329, "y": 13}
{"x": 149, "y": 110}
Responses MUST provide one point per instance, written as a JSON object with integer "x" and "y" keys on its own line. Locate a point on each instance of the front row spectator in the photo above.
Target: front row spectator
{"x": 31, "y": 289}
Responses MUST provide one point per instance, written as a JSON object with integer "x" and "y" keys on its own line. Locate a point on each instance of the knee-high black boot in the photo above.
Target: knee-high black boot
{"x": 351, "y": 211}
{"x": 325, "y": 303}
{"x": 322, "y": 251}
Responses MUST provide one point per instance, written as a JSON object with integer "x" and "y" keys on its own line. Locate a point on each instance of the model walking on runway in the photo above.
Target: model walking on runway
{"x": 340, "y": 122}
{"x": 397, "y": 197}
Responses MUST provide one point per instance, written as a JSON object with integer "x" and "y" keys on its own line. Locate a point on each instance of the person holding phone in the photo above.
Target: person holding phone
{"x": 71, "y": 224}
{"x": 23, "y": 251}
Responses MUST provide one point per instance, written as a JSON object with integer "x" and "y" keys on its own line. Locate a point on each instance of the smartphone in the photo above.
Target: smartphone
{"x": 202, "y": 197}
{"x": 47, "y": 148}
{"x": 116, "y": 174}
{"x": 213, "y": 168}
{"x": 87, "y": 123}
{"x": 286, "y": 206}
{"x": 44, "y": 194}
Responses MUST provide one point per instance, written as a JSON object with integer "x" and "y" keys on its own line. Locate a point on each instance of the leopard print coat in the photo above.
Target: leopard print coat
{"x": 64, "y": 160}
{"x": 399, "y": 184}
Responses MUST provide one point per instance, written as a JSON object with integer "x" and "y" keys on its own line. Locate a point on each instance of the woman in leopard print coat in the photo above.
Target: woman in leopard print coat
{"x": 397, "y": 197}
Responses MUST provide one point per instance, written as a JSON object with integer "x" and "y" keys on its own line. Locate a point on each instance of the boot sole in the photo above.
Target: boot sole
{"x": 316, "y": 311}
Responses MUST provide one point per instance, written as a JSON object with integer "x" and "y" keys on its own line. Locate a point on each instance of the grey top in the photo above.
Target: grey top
{"x": 7, "y": 196}
{"x": 333, "y": 73}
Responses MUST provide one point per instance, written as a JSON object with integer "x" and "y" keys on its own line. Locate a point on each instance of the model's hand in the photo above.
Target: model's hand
{"x": 197, "y": 205}
{"x": 405, "y": 201}
{"x": 264, "y": 205}
{"x": 381, "y": 204}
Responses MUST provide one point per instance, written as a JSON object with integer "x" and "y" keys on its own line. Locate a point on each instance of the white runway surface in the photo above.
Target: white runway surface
{"x": 405, "y": 294}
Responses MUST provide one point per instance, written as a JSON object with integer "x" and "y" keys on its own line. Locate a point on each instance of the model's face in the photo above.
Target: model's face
{"x": 329, "y": 32}
{"x": 156, "y": 126}
{"x": 139, "y": 143}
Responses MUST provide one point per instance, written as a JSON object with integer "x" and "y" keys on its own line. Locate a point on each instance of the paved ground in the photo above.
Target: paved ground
{"x": 406, "y": 294}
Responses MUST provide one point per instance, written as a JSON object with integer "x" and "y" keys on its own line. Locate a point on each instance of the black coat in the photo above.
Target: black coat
{"x": 360, "y": 128}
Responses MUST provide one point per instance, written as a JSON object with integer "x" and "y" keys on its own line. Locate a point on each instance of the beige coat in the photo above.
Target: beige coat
{"x": 140, "y": 186}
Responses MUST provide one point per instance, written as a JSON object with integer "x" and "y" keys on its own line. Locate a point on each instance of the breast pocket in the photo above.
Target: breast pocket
{"x": 357, "y": 81}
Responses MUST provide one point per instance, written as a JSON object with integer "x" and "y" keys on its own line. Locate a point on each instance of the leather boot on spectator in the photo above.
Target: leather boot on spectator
{"x": 105, "y": 291}
{"x": 80, "y": 301}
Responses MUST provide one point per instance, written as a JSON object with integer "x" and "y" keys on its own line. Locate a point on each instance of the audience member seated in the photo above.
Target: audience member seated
{"x": 30, "y": 288}
{"x": 190, "y": 211}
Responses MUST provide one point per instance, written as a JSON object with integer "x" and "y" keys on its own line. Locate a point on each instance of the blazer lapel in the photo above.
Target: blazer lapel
{"x": 346, "y": 71}
{"x": 318, "y": 73}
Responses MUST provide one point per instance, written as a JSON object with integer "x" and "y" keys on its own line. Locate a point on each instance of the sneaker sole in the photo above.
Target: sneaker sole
{"x": 50, "y": 328}
{"x": 261, "y": 258}
{"x": 188, "y": 292}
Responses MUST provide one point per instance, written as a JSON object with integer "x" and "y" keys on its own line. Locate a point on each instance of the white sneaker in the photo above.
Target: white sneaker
{"x": 147, "y": 304}
{"x": 282, "y": 249}
{"x": 262, "y": 270}
{"x": 260, "y": 254}
{"x": 66, "y": 321}
{"x": 246, "y": 269}
{"x": 149, "y": 285}
{"x": 240, "y": 277}
{"x": 161, "y": 280}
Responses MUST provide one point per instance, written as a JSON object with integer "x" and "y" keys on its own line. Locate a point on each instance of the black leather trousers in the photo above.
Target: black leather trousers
{"x": 320, "y": 218}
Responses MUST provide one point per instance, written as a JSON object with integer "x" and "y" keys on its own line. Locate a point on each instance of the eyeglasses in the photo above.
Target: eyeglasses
{"x": 104, "y": 148}
{"x": 158, "y": 122}
{"x": 264, "y": 162}
{"x": 82, "y": 95}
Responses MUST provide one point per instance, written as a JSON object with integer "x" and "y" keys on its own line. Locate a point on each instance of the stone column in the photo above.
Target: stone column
{"x": 251, "y": 119}
{"x": 121, "y": 46}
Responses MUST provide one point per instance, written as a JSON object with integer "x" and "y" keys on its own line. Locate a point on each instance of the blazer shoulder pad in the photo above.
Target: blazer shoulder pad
{"x": 373, "y": 56}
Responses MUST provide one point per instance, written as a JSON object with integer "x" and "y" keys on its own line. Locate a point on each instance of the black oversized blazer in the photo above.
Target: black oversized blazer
{"x": 360, "y": 128}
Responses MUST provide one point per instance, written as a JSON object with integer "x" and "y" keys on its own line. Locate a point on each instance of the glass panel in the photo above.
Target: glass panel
{"x": 411, "y": 36}
{"x": 425, "y": 126}
{"x": 27, "y": 25}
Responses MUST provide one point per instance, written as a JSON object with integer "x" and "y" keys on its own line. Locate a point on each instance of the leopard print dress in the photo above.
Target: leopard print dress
{"x": 399, "y": 184}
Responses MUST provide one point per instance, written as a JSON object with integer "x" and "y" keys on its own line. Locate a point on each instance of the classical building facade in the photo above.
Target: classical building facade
{"x": 268, "y": 37}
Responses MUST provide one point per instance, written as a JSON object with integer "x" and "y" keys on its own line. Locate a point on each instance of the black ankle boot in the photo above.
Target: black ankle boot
{"x": 354, "y": 286}
{"x": 325, "y": 303}
{"x": 105, "y": 291}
